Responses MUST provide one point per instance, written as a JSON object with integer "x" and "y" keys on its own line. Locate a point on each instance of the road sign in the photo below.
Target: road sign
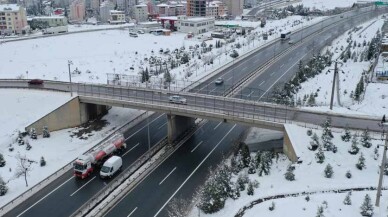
{"x": 381, "y": 3}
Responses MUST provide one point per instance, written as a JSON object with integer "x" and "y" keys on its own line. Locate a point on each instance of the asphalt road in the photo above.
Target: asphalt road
{"x": 264, "y": 5}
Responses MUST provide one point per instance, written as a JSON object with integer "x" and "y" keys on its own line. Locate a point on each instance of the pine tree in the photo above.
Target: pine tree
{"x": 252, "y": 167}
{"x": 329, "y": 171}
{"x": 42, "y": 161}
{"x": 327, "y": 135}
{"x": 3, "y": 187}
{"x": 348, "y": 174}
{"x": 33, "y": 133}
{"x": 241, "y": 181}
{"x": 272, "y": 207}
{"x": 246, "y": 157}
{"x": 234, "y": 191}
{"x": 265, "y": 163}
{"x": 365, "y": 139}
{"x": 311, "y": 100}
{"x": 320, "y": 156}
{"x": 289, "y": 175}
{"x": 361, "y": 162}
{"x": 367, "y": 207}
{"x": 347, "y": 200}
{"x": 346, "y": 137}
{"x": 354, "y": 148}
{"x": 250, "y": 189}
{"x": 2, "y": 161}
{"x": 46, "y": 132}
{"x": 167, "y": 77}
{"x": 314, "y": 143}
{"x": 146, "y": 75}
{"x": 376, "y": 153}
{"x": 320, "y": 212}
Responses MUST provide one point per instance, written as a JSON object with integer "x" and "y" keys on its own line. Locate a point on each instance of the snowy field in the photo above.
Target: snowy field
{"x": 374, "y": 101}
{"x": 24, "y": 107}
{"x": 328, "y": 4}
{"x": 309, "y": 177}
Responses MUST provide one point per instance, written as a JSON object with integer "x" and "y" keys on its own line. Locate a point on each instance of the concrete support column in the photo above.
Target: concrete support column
{"x": 288, "y": 148}
{"x": 176, "y": 125}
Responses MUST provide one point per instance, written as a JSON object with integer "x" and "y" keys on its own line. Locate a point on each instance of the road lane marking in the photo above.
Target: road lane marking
{"x": 218, "y": 125}
{"x": 229, "y": 78}
{"x": 196, "y": 146}
{"x": 167, "y": 176}
{"x": 192, "y": 173}
{"x": 251, "y": 93}
{"x": 261, "y": 83}
{"x": 213, "y": 89}
{"x": 44, "y": 197}
{"x": 162, "y": 125}
{"x": 142, "y": 128}
{"x": 281, "y": 66}
{"x": 130, "y": 150}
{"x": 82, "y": 186}
{"x": 245, "y": 68}
{"x": 132, "y": 212}
{"x": 272, "y": 73}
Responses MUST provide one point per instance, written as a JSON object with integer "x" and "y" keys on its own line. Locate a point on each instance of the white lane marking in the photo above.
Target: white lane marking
{"x": 272, "y": 73}
{"x": 218, "y": 125}
{"x": 130, "y": 149}
{"x": 251, "y": 93}
{"x": 245, "y": 68}
{"x": 296, "y": 62}
{"x": 162, "y": 125}
{"x": 132, "y": 212}
{"x": 229, "y": 78}
{"x": 82, "y": 186}
{"x": 192, "y": 173}
{"x": 142, "y": 128}
{"x": 196, "y": 146}
{"x": 213, "y": 89}
{"x": 167, "y": 176}
{"x": 261, "y": 83}
{"x": 281, "y": 66}
{"x": 44, "y": 197}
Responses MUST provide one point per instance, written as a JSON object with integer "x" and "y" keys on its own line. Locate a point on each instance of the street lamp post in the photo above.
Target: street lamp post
{"x": 69, "y": 62}
{"x": 382, "y": 166}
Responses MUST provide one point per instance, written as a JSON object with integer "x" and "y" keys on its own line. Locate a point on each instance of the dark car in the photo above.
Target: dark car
{"x": 35, "y": 82}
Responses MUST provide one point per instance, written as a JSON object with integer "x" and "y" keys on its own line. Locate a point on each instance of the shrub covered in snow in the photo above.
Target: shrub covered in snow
{"x": 367, "y": 207}
{"x": 328, "y": 171}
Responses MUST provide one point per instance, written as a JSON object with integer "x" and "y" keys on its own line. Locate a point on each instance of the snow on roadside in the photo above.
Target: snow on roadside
{"x": 25, "y": 106}
{"x": 328, "y": 4}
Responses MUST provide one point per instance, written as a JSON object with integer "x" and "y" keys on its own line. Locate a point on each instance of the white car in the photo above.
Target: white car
{"x": 219, "y": 81}
{"x": 140, "y": 32}
{"x": 177, "y": 100}
{"x": 290, "y": 42}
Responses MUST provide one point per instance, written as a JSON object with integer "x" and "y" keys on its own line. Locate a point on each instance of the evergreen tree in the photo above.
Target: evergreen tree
{"x": 167, "y": 77}
{"x": 265, "y": 163}
{"x": 314, "y": 143}
{"x": 327, "y": 135}
{"x": 320, "y": 156}
{"x": 46, "y": 132}
{"x": 348, "y": 174}
{"x": 361, "y": 162}
{"x": 354, "y": 148}
{"x": 365, "y": 139}
{"x": 367, "y": 207}
{"x": 346, "y": 137}
{"x": 2, "y": 161}
{"x": 320, "y": 212}
{"x": 376, "y": 153}
{"x": 347, "y": 200}
{"x": 328, "y": 171}
{"x": 146, "y": 75}
{"x": 246, "y": 157}
{"x": 33, "y": 133}
{"x": 28, "y": 146}
{"x": 234, "y": 191}
{"x": 272, "y": 207}
{"x": 252, "y": 167}
{"x": 309, "y": 132}
{"x": 3, "y": 187}
{"x": 42, "y": 161}
{"x": 250, "y": 189}
{"x": 289, "y": 175}
{"x": 241, "y": 181}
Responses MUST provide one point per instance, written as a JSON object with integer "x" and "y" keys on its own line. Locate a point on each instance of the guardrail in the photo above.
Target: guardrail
{"x": 28, "y": 193}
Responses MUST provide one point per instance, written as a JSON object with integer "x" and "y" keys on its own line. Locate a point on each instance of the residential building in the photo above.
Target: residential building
{"x": 141, "y": 13}
{"x": 196, "y": 8}
{"x": 195, "y": 25}
{"x": 235, "y": 7}
{"x": 180, "y": 9}
{"x": 53, "y": 20}
{"x": 212, "y": 10}
{"x": 105, "y": 9}
{"x": 77, "y": 11}
{"x": 116, "y": 17}
{"x": 162, "y": 10}
{"x": 13, "y": 19}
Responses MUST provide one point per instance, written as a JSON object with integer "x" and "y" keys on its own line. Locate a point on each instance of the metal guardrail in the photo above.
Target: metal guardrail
{"x": 28, "y": 193}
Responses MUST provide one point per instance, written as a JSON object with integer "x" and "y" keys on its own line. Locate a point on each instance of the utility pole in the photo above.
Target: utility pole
{"x": 382, "y": 166}
{"x": 333, "y": 87}
{"x": 71, "y": 86}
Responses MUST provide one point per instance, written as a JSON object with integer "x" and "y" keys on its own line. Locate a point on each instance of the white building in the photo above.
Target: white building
{"x": 195, "y": 25}
{"x": 141, "y": 13}
{"x": 105, "y": 9}
{"x": 116, "y": 17}
{"x": 235, "y": 7}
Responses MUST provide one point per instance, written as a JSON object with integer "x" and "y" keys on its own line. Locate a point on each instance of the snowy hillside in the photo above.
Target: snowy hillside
{"x": 329, "y": 4}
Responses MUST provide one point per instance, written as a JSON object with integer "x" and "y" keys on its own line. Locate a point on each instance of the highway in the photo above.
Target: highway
{"x": 265, "y": 5}
{"x": 65, "y": 195}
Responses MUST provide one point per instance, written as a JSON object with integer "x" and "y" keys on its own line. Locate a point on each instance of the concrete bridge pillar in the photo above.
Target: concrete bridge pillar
{"x": 176, "y": 125}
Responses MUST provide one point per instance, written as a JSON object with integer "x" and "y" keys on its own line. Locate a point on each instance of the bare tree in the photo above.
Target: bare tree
{"x": 178, "y": 208}
{"x": 24, "y": 166}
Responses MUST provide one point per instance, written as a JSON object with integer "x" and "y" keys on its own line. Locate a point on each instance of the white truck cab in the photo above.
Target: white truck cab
{"x": 111, "y": 166}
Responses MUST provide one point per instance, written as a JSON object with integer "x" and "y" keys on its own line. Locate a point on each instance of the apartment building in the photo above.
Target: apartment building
{"x": 13, "y": 19}
{"x": 141, "y": 13}
{"x": 196, "y": 8}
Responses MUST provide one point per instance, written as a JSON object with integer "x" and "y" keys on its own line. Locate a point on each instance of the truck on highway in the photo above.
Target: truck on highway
{"x": 55, "y": 30}
{"x": 85, "y": 164}
{"x": 285, "y": 36}
{"x": 111, "y": 166}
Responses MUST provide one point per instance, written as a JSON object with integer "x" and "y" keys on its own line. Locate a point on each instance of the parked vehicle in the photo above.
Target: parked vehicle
{"x": 35, "y": 82}
{"x": 177, "y": 99}
{"x": 111, "y": 166}
{"x": 285, "y": 36}
{"x": 55, "y": 30}
{"x": 133, "y": 34}
{"x": 140, "y": 32}
{"x": 85, "y": 164}
{"x": 219, "y": 81}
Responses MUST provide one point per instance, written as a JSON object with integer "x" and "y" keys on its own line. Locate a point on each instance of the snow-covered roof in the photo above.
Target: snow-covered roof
{"x": 9, "y": 7}
{"x": 162, "y": 5}
{"x": 141, "y": 5}
{"x": 49, "y": 17}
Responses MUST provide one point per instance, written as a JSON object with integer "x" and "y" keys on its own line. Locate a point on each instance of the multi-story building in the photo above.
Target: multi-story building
{"x": 180, "y": 9}
{"x": 235, "y": 7}
{"x": 141, "y": 13}
{"x": 196, "y": 8}
{"x": 162, "y": 10}
{"x": 116, "y": 17}
{"x": 105, "y": 9}
{"x": 212, "y": 10}
{"x": 77, "y": 11}
{"x": 13, "y": 19}
{"x": 195, "y": 25}
{"x": 53, "y": 21}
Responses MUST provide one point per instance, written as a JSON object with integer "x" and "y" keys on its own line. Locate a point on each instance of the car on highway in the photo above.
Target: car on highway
{"x": 35, "y": 82}
{"x": 219, "y": 81}
{"x": 290, "y": 42}
{"x": 133, "y": 34}
{"x": 177, "y": 99}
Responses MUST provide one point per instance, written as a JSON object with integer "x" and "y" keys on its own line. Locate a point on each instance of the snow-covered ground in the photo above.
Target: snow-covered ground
{"x": 374, "y": 102}
{"x": 22, "y": 107}
{"x": 329, "y": 4}
{"x": 310, "y": 178}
